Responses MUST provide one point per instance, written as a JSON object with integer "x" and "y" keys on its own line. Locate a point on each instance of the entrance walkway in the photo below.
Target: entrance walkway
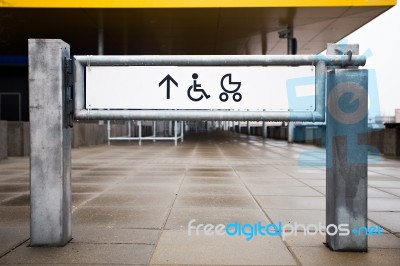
{"x": 132, "y": 205}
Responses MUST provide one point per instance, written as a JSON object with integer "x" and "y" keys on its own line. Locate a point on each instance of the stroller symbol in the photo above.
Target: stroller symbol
{"x": 224, "y": 96}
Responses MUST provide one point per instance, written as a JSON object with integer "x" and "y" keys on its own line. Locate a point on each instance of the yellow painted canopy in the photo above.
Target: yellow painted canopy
{"x": 188, "y": 3}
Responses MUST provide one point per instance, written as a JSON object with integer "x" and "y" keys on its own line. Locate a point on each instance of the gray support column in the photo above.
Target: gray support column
{"x": 264, "y": 129}
{"x": 346, "y": 158}
{"x": 182, "y": 130}
{"x": 140, "y": 132}
{"x": 176, "y": 132}
{"x": 108, "y": 132}
{"x": 248, "y": 127}
{"x": 290, "y": 131}
{"x": 50, "y": 156}
{"x": 154, "y": 131}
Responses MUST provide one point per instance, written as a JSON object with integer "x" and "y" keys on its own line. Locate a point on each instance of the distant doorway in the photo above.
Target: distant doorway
{"x": 10, "y": 106}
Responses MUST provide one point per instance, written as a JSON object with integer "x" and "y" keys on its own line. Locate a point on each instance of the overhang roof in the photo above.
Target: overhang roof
{"x": 183, "y": 27}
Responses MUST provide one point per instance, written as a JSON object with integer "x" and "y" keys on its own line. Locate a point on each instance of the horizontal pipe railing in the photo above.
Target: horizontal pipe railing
{"x": 220, "y": 60}
{"x": 209, "y": 115}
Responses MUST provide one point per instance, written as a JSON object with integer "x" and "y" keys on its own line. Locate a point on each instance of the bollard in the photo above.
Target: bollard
{"x": 50, "y": 155}
{"x": 347, "y": 158}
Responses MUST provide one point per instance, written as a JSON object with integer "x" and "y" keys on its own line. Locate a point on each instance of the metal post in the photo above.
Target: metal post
{"x": 129, "y": 129}
{"x": 170, "y": 128}
{"x": 108, "y": 132}
{"x": 176, "y": 132}
{"x": 248, "y": 127}
{"x": 347, "y": 158}
{"x": 50, "y": 155}
{"x": 154, "y": 131}
{"x": 140, "y": 132}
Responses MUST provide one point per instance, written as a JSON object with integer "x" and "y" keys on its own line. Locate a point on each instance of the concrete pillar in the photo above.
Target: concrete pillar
{"x": 290, "y": 133}
{"x": 346, "y": 157}
{"x": 50, "y": 161}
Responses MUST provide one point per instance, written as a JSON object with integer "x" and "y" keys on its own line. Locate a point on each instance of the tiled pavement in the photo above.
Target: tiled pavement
{"x": 132, "y": 205}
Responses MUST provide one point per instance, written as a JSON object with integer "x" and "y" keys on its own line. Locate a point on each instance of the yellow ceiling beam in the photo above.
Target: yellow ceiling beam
{"x": 188, "y": 3}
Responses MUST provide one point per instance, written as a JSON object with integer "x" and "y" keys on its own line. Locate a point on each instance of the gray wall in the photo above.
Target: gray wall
{"x": 3, "y": 140}
{"x": 384, "y": 141}
{"x": 18, "y": 138}
{"x": 14, "y": 136}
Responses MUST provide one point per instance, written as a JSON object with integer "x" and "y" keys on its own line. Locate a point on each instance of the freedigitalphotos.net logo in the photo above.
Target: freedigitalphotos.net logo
{"x": 279, "y": 229}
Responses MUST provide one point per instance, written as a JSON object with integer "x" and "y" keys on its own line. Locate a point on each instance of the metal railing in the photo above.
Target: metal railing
{"x": 153, "y": 137}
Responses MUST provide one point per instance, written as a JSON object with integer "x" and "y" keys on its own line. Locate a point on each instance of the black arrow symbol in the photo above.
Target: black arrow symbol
{"x": 168, "y": 79}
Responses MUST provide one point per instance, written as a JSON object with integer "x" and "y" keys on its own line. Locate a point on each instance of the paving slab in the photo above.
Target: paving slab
{"x": 291, "y": 203}
{"x": 13, "y": 188}
{"x": 177, "y": 247}
{"x": 7, "y": 196}
{"x": 384, "y": 184}
{"x": 88, "y": 188}
{"x": 212, "y": 180}
{"x": 11, "y": 237}
{"x": 227, "y": 201}
{"x": 180, "y": 217}
{"x": 112, "y": 235}
{"x": 144, "y": 188}
{"x": 138, "y": 200}
{"x": 384, "y": 204}
{"x": 288, "y": 181}
{"x": 81, "y": 253}
{"x": 274, "y": 190}
{"x": 121, "y": 217}
{"x": 389, "y": 220}
{"x": 207, "y": 189}
{"x": 304, "y": 217}
{"x": 11, "y": 216}
{"x": 387, "y": 240}
{"x": 393, "y": 191}
{"x": 323, "y": 256}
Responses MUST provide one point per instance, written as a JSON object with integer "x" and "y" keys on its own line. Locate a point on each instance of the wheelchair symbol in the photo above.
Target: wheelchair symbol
{"x": 224, "y": 96}
{"x": 195, "y": 87}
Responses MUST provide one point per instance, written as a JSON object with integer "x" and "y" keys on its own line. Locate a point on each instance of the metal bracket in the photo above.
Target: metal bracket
{"x": 68, "y": 93}
{"x": 349, "y": 50}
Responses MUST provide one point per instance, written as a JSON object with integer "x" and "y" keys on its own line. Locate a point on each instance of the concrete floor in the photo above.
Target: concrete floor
{"x": 132, "y": 205}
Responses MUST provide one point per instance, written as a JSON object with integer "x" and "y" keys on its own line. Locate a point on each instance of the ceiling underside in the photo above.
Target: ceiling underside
{"x": 184, "y": 31}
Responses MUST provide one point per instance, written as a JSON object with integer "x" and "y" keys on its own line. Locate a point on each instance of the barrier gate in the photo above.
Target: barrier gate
{"x": 62, "y": 89}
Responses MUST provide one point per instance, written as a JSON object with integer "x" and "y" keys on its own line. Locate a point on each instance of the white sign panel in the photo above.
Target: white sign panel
{"x": 160, "y": 87}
